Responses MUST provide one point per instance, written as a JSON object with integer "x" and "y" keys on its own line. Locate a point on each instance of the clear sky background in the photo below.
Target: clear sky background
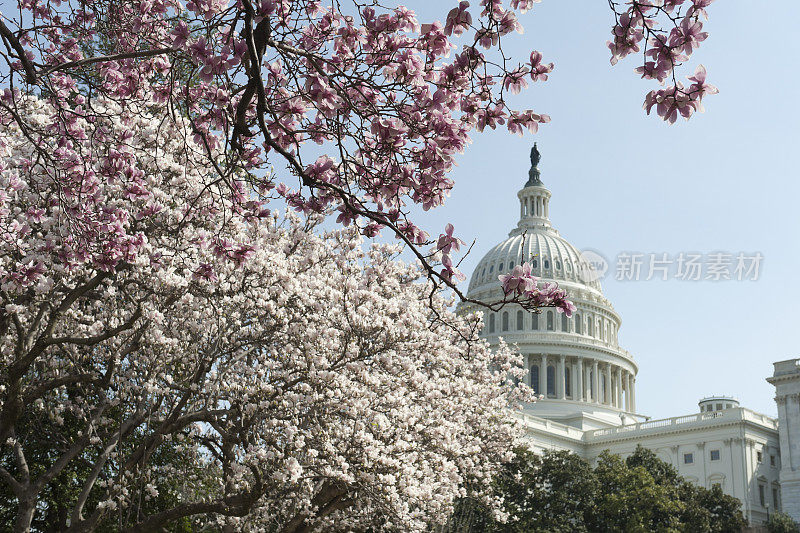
{"x": 727, "y": 180}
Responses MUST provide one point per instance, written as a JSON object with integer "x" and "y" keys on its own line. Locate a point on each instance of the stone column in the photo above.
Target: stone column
{"x": 596, "y": 382}
{"x": 608, "y": 396}
{"x": 580, "y": 392}
{"x": 633, "y": 393}
{"x": 543, "y": 376}
{"x": 527, "y": 367}
{"x": 574, "y": 391}
{"x": 561, "y": 384}
{"x": 619, "y": 388}
{"x": 628, "y": 391}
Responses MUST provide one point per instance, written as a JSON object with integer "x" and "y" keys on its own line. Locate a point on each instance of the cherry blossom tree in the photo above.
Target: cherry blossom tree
{"x": 159, "y": 323}
{"x": 353, "y": 108}
{"x": 237, "y": 370}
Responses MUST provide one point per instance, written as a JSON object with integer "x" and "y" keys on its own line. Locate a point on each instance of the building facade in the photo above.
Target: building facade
{"x": 588, "y": 381}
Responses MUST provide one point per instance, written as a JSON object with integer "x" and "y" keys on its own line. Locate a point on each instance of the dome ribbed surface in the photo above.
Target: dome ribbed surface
{"x": 552, "y": 258}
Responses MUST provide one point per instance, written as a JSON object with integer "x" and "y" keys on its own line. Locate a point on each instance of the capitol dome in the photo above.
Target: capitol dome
{"x": 576, "y": 363}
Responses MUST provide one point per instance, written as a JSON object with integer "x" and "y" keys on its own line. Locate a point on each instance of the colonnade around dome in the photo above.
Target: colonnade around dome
{"x": 581, "y": 379}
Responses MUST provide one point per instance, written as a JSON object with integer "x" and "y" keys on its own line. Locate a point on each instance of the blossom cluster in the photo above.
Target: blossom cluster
{"x": 392, "y": 100}
{"x": 221, "y": 354}
{"x": 521, "y": 283}
{"x": 671, "y": 31}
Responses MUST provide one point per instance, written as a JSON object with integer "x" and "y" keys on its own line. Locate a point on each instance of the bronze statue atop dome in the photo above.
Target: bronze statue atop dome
{"x": 535, "y": 156}
{"x": 533, "y": 173}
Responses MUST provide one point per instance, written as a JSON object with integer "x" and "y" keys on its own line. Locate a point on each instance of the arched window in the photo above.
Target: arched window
{"x": 564, "y": 323}
{"x": 535, "y": 321}
{"x": 491, "y": 323}
{"x": 500, "y": 268}
{"x": 558, "y": 264}
{"x": 511, "y": 265}
{"x": 567, "y": 382}
{"x": 535, "y": 378}
{"x": 505, "y": 320}
{"x": 578, "y": 323}
{"x": 600, "y": 329}
{"x": 520, "y": 320}
{"x": 590, "y": 326}
{"x": 535, "y": 263}
{"x": 568, "y": 265}
{"x": 491, "y": 269}
{"x": 551, "y": 380}
{"x": 547, "y": 263}
{"x": 550, "y": 326}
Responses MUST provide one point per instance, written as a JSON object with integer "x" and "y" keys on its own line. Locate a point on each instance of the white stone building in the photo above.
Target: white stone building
{"x": 589, "y": 381}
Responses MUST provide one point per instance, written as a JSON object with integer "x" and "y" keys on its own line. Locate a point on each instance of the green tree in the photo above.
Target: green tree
{"x": 630, "y": 499}
{"x": 782, "y": 523}
{"x": 560, "y": 492}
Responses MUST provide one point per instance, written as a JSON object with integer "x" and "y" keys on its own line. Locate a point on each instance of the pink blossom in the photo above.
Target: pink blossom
{"x": 447, "y": 243}
{"x": 519, "y": 280}
{"x": 539, "y": 70}
{"x": 514, "y": 81}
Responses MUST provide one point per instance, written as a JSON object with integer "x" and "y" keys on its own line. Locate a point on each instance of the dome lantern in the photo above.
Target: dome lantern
{"x": 534, "y": 198}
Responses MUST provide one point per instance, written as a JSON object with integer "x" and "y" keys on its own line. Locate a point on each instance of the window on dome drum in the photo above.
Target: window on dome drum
{"x": 567, "y": 383}
{"x": 546, "y": 263}
{"x": 590, "y": 327}
{"x": 761, "y": 500}
{"x": 569, "y": 266}
{"x": 491, "y": 323}
{"x": 491, "y": 269}
{"x": 520, "y": 320}
{"x": 505, "y": 320}
{"x": 535, "y": 263}
{"x": 535, "y": 378}
{"x": 688, "y": 458}
{"x": 550, "y": 326}
{"x": 535, "y": 321}
{"x": 771, "y": 460}
{"x": 775, "y": 500}
{"x": 511, "y": 265}
{"x": 719, "y": 407}
{"x": 591, "y": 385}
{"x": 715, "y": 455}
{"x": 577, "y": 323}
{"x": 500, "y": 268}
{"x": 759, "y": 457}
{"x": 564, "y": 323}
{"x": 558, "y": 264}
{"x": 551, "y": 380}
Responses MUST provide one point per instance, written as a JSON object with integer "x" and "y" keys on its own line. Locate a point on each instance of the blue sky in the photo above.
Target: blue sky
{"x": 727, "y": 180}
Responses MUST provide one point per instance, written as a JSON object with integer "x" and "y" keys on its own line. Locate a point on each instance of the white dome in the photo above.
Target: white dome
{"x": 550, "y": 255}
{"x": 576, "y": 362}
